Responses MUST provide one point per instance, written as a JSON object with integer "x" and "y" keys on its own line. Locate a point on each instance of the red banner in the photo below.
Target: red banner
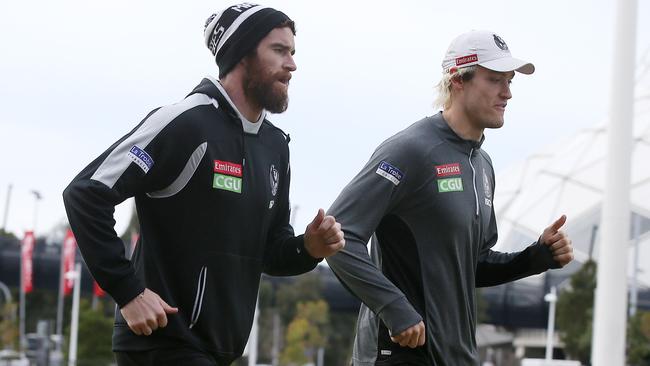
{"x": 97, "y": 291}
{"x": 69, "y": 252}
{"x": 26, "y": 257}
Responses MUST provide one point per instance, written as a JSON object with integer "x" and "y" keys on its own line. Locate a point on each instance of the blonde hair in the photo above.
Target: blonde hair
{"x": 443, "y": 100}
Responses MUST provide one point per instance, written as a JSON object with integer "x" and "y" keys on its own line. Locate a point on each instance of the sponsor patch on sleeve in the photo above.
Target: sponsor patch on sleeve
{"x": 141, "y": 158}
{"x": 390, "y": 172}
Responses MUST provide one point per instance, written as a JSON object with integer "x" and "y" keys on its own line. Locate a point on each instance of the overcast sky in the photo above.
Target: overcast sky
{"x": 77, "y": 75}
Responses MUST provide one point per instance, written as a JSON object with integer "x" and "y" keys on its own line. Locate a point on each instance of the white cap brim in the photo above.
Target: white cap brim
{"x": 507, "y": 64}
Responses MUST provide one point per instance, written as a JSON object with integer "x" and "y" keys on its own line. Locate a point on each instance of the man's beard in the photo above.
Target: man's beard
{"x": 258, "y": 87}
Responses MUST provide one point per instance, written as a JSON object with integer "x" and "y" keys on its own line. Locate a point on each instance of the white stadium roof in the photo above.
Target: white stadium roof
{"x": 569, "y": 178}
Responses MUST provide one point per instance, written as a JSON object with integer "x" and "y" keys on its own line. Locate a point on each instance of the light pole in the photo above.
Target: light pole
{"x": 4, "y": 220}
{"x": 37, "y": 197}
{"x": 551, "y": 298}
{"x": 74, "y": 322}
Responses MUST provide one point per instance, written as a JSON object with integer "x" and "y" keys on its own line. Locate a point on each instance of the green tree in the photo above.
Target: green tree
{"x": 575, "y": 312}
{"x": 306, "y": 287}
{"x": 95, "y": 332}
{"x": 340, "y": 332}
{"x": 282, "y": 298}
{"x": 306, "y": 332}
{"x": 9, "y": 235}
{"x": 8, "y": 326}
{"x": 638, "y": 335}
{"x": 40, "y": 304}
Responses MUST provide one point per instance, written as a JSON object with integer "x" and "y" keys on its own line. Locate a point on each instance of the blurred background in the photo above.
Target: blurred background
{"x": 75, "y": 76}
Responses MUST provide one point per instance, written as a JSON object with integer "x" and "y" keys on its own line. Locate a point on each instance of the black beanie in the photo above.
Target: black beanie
{"x": 233, "y": 33}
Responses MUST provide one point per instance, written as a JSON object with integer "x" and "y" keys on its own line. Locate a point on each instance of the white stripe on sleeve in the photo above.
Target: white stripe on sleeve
{"x": 188, "y": 171}
{"x": 118, "y": 161}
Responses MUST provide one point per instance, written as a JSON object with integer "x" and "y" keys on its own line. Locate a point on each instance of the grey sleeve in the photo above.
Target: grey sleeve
{"x": 373, "y": 193}
{"x": 495, "y": 268}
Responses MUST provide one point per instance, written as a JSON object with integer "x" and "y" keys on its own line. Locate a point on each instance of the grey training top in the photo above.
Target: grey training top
{"x": 426, "y": 194}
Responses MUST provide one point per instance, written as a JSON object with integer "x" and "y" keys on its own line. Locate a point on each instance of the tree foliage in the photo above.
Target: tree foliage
{"x": 306, "y": 333}
{"x": 338, "y": 332}
{"x": 575, "y": 313}
{"x": 95, "y": 332}
{"x": 306, "y": 287}
{"x": 575, "y": 321}
{"x": 638, "y": 335}
{"x": 9, "y": 326}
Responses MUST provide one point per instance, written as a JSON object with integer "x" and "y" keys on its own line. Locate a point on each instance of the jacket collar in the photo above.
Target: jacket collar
{"x": 465, "y": 146}
{"x": 213, "y": 88}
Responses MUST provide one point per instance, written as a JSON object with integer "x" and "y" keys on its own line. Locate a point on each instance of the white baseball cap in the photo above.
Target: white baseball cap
{"x": 483, "y": 48}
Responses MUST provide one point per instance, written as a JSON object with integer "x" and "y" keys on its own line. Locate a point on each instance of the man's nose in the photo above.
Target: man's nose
{"x": 505, "y": 92}
{"x": 290, "y": 64}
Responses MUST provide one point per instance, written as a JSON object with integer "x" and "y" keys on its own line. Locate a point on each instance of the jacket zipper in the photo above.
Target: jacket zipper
{"x": 198, "y": 299}
{"x": 473, "y": 179}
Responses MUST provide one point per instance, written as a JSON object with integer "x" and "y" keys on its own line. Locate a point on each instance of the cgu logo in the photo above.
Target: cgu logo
{"x": 450, "y": 185}
{"x": 227, "y": 183}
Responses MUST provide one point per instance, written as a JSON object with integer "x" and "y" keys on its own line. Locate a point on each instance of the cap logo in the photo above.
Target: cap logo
{"x": 466, "y": 59}
{"x": 500, "y": 42}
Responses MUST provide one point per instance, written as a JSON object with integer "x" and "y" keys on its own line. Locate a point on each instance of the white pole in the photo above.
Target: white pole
{"x": 252, "y": 340}
{"x": 610, "y": 309}
{"x": 21, "y": 307}
{"x": 59, "y": 302}
{"x": 551, "y": 298}
{"x": 4, "y": 220}
{"x": 320, "y": 358}
{"x": 275, "y": 348}
{"x": 37, "y": 197}
{"x": 74, "y": 324}
{"x": 634, "y": 291}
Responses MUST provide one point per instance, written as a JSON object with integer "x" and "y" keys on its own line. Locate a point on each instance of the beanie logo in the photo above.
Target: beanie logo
{"x": 227, "y": 19}
{"x": 500, "y": 42}
{"x": 210, "y": 19}
{"x": 216, "y": 37}
{"x": 242, "y": 7}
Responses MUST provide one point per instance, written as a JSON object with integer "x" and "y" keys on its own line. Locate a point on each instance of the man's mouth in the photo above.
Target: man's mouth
{"x": 285, "y": 80}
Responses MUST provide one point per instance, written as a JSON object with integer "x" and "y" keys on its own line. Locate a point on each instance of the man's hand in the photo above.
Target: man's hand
{"x": 411, "y": 337}
{"x": 323, "y": 236}
{"x": 146, "y": 313}
{"x": 558, "y": 242}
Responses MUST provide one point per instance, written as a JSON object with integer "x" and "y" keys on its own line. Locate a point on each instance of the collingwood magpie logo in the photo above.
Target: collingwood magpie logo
{"x": 274, "y": 178}
{"x": 487, "y": 189}
{"x": 500, "y": 42}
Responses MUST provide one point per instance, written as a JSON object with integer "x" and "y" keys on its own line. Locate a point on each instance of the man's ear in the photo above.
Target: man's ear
{"x": 456, "y": 80}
